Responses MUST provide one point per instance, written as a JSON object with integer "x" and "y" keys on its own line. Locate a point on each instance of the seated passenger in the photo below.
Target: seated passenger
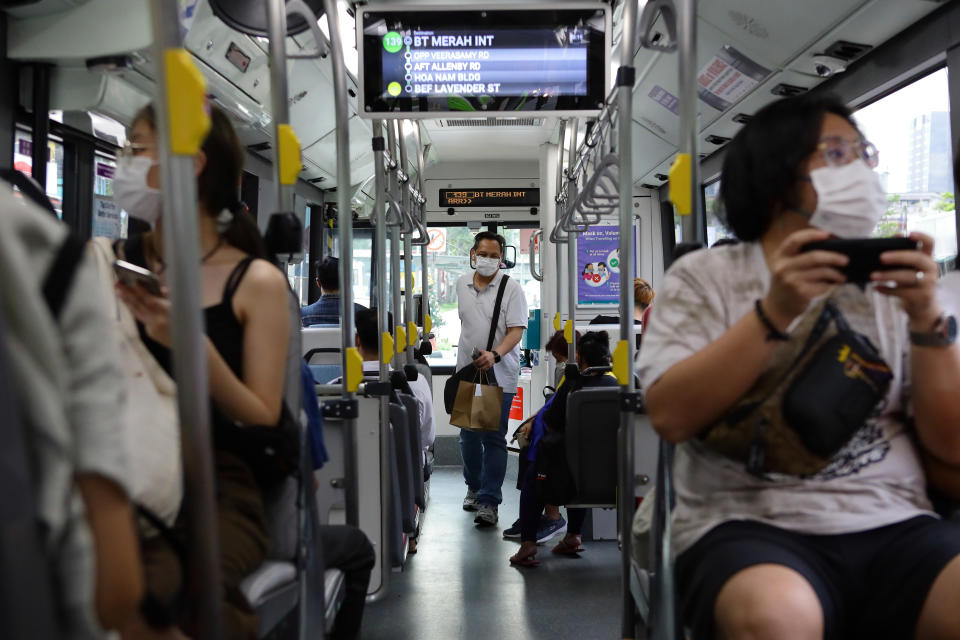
{"x": 848, "y": 546}
{"x": 558, "y": 347}
{"x": 368, "y": 343}
{"x": 326, "y": 310}
{"x": 245, "y": 300}
{"x": 592, "y": 351}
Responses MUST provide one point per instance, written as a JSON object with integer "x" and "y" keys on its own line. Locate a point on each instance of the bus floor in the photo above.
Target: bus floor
{"x": 461, "y": 585}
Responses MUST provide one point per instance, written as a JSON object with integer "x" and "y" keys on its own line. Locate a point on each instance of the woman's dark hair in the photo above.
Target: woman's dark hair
{"x": 557, "y": 344}
{"x": 762, "y": 162}
{"x": 218, "y": 185}
{"x": 594, "y": 349}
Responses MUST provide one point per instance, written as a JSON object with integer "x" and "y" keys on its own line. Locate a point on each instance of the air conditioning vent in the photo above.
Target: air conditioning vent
{"x": 662, "y": 177}
{"x": 260, "y": 146}
{"x": 647, "y": 185}
{"x": 492, "y": 122}
{"x": 848, "y": 51}
{"x": 741, "y": 118}
{"x": 712, "y": 139}
{"x": 787, "y": 90}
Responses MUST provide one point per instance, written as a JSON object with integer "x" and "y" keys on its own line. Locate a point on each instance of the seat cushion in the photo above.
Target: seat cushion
{"x": 271, "y": 576}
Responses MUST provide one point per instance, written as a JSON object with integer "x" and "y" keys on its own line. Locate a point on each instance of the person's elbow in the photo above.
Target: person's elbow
{"x": 666, "y": 419}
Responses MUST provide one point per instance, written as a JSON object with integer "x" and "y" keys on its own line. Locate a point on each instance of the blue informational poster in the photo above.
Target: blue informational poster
{"x": 598, "y": 265}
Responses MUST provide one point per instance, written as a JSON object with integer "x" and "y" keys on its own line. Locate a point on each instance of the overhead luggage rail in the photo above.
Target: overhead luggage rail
{"x": 182, "y": 124}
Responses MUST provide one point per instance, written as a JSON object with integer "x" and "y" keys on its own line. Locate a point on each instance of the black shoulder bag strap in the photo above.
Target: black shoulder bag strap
{"x": 56, "y": 284}
{"x": 496, "y": 312}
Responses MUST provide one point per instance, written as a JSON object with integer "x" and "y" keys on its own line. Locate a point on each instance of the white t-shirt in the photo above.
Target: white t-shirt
{"x": 476, "y": 312}
{"x": 421, "y": 391}
{"x": 875, "y": 480}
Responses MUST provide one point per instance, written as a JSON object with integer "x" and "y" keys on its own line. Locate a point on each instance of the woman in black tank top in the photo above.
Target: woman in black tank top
{"x": 246, "y": 310}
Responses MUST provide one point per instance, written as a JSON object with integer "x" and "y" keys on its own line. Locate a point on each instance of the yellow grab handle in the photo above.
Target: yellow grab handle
{"x": 386, "y": 348}
{"x": 186, "y": 103}
{"x": 568, "y": 331}
{"x": 427, "y": 324}
{"x": 354, "y": 369}
{"x": 680, "y": 188}
{"x": 288, "y": 153}
{"x": 401, "y": 339}
{"x": 621, "y": 362}
{"x": 412, "y": 332}
{"x": 556, "y": 321}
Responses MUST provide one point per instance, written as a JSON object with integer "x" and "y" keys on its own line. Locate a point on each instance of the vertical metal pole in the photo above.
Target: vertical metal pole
{"x": 345, "y": 224}
{"x": 406, "y": 200}
{"x": 41, "y": 123}
{"x": 395, "y": 235}
{"x": 424, "y": 277}
{"x": 560, "y": 182}
{"x": 689, "y": 125}
{"x": 573, "y": 284}
{"x": 181, "y": 245}
{"x": 277, "y": 27}
{"x": 628, "y": 260}
{"x": 380, "y": 229}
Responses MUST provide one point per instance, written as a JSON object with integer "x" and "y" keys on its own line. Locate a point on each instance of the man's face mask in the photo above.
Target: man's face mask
{"x": 486, "y": 267}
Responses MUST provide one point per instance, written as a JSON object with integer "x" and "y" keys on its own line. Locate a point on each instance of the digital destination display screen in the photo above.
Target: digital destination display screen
{"x": 490, "y": 197}
{"x": 502, "y": 60}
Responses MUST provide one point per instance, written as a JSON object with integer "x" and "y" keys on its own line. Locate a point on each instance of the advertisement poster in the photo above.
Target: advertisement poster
{"x": 598, "y": 264}
{"x": 728, "y": 76}
{"x": 106, "y": 218}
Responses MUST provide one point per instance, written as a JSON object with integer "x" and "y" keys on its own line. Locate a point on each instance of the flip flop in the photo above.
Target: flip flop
{"x": 529, "y": 561}
{"x": 564, "y": 548}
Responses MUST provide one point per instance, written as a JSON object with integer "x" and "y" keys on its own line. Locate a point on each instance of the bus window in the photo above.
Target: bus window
{"x": 109, "y": 220}
{"x": 519, "y": 237}
{"x": 911, "y": 130}
{"x": 716, "y": 230}
{"x": 23, "y": 162}
{"x": 448, "y": 259}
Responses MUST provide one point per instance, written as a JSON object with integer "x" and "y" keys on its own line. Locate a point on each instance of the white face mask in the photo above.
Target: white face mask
{"x": 850, "y": 199}
{"x": 487, "y": 266}
{"x": 131, "y": 192}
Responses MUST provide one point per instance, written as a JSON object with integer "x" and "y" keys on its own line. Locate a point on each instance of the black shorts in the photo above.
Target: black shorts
{"x": 871, "y": 584}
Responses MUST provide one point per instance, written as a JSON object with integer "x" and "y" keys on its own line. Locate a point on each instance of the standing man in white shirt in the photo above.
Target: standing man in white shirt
{"x": 485, "y": 453}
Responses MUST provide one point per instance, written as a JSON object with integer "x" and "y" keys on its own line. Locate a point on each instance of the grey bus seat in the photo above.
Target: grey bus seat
{"x": 400, "y": 422}
{"x": 321, "y": 344}
{"x": 324, "y": 373}
{"x": 395, "y": 543}
{"x": 412, "y": 405}
{"x": 593, "y": 419}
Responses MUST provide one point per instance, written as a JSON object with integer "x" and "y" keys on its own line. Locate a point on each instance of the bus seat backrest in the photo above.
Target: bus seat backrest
{"x": 322, "y": 343}
{"x": 593, "y": 418}
{"x": 400, "y": 424}
{"x": 427, "y": 375}
{"x": 324, "y": 373}
{"x": 395, "y": 543}
{"x": 416, "y": 449}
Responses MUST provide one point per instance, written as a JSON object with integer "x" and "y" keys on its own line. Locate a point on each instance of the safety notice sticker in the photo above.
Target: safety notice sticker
{"x": 728, "y": 76}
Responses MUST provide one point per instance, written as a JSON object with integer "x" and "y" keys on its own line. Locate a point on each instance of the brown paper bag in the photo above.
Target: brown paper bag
{"x": 477, "y": 406}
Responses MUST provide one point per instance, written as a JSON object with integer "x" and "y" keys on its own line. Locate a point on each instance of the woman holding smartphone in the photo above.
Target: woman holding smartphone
{"x": 246, "y": 312}
{"x": 852, "y": 549}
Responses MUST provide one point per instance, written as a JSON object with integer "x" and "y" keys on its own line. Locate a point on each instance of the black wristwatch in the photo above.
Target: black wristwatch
{"x": 496, "y": 357}
{"x": 944, "y": 333}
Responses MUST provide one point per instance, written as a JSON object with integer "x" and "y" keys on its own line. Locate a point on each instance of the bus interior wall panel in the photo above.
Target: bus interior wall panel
{"x": 8, "y": 98}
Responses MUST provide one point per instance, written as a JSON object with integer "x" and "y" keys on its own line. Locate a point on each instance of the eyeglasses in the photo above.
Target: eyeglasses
{"x": 839, "y": 151}
{"x": 132, "y": 149}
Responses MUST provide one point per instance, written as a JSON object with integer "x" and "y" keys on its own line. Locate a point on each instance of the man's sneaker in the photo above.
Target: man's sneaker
{"x": 470, "y": 501}
{"x": 486, "y": 515}
{"x": 513, "y": 531}
{"x": 549, "y": 528}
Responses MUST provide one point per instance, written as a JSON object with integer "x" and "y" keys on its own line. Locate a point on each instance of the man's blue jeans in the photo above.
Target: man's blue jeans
{"x": 484, "y": 456}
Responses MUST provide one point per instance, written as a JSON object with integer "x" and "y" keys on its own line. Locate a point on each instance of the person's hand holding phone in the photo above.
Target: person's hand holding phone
{"x": 914, "y": 282}
{"x": 150, "y": 310}
{"x": 797, "y": 276}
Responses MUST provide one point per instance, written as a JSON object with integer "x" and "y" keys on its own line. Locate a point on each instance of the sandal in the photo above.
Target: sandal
{"x": 529, "y": 560}
{"x": 569, "y": 546}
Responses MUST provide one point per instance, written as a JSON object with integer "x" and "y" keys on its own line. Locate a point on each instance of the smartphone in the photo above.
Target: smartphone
{"x": 864, "y": 254}
{"x": 132, "y": 275}
{"x": 475, "y": 353}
